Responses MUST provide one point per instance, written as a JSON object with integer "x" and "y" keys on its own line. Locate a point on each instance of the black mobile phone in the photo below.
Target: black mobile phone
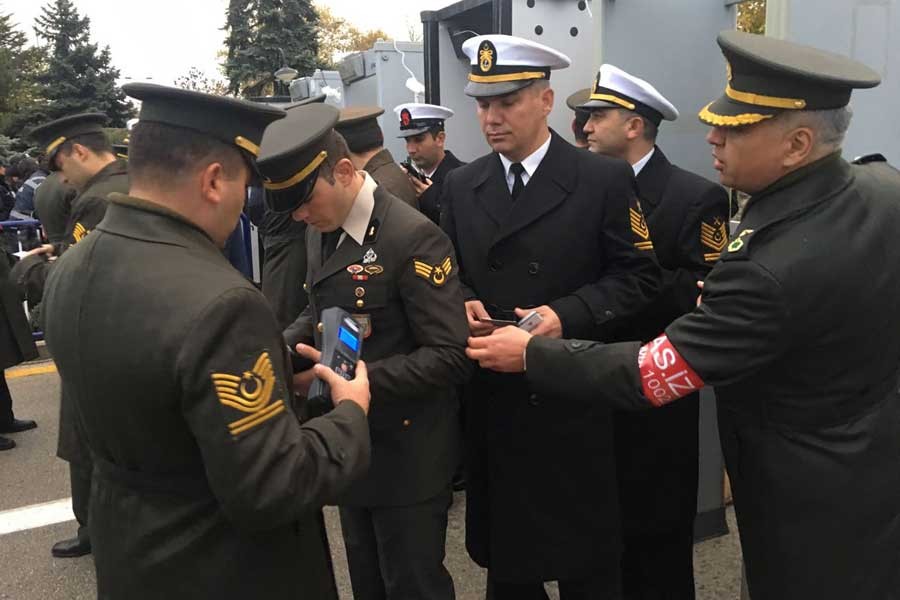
{"x": 413, "y": 172}
{"x": 498, "y": 322}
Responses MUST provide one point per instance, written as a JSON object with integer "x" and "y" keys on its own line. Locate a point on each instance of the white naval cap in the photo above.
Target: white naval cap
{"x": 416, "y": 118}
{"x": 502, "y": 64}
{"x": 614, "y": 88}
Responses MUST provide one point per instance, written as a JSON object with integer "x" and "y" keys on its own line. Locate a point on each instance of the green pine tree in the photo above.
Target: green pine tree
{"x": 274, "y": 26}
{"x": 239, "y": 27}
{"x": 79, "y": 75}
{"x": 19, "y": 66}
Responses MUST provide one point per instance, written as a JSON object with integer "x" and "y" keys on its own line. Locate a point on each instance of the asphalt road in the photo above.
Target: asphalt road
{"x": 31, "y": 474}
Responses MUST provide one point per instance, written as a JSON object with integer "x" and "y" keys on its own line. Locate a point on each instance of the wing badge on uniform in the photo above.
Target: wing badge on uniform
{"x": 714, "y": 237}
{"x": 437, "y": 274}
{"x": 249, "y": 393}
{"x": 79, "y": 232}
{"x": 640, "y": 229}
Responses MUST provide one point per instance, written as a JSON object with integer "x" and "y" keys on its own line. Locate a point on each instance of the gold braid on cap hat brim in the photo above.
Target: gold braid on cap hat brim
{"x": 730, "y": 120}
{"x": 300, "y": 176}
{"x": 54, "y": 145}
{"x": 504, "y": 77}
{"x": 614, "y": 99}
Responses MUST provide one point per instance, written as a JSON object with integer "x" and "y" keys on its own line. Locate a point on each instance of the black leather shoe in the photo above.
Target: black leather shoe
{"x": 6, "y": 444}
{"x": 17, "y": 425}
{"x": 71, "y": 548}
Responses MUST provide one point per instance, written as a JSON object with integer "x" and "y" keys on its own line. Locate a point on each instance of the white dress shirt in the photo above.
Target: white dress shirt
{"x": 639, "y": 165}
{"x": 531, "y": 163}
{"x": 360, "y": 214}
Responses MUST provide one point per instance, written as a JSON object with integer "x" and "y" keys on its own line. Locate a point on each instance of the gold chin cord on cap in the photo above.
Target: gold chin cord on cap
{"x": 614, "y": 100}
{"x": 242, "y": 142}
{"x": 303, "y": 174}
{"x": 507, "y": 77}
{"x": 54, "y": 145}
{"x": 767, "y": 101}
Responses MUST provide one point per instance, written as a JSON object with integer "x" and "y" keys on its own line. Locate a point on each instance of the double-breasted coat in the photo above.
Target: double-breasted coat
{"x": 541, "y": 494}
{"x": 657, "y": 452}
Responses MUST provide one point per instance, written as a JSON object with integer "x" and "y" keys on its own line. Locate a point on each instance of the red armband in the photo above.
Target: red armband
{"x": 665, "y": 375}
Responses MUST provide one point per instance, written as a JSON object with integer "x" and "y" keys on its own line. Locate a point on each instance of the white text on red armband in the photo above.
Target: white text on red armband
{"x": 665, "y": 375}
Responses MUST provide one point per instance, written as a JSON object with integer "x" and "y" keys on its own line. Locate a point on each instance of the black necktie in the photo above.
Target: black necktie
{"x": 517, "y": 169}
{"x": 330, "y": 243}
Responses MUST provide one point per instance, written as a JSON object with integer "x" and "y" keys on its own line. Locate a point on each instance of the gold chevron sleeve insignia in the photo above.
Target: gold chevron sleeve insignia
{"x": 714, "y": 237}
{"x": 638, "y": 225}
{"x": 79, "y": 232}
{"x": 249, "y": 393}
{"x": 437, "y": 275}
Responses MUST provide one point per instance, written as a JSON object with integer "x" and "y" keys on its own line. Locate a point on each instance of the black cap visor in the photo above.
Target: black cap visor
{"x": 290, "y": 199}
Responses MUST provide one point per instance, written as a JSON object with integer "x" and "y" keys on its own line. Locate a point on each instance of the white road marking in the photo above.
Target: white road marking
{"x": 36, "y": 515}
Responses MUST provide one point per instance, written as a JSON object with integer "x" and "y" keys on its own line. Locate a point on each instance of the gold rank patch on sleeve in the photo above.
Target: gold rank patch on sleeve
{"x": 79, "y": 232}
{"x": 640, "y": 229}
{"x": 715, "y": 238}
{"x": 249, "y": 393}
{"x": 437, "y": 274}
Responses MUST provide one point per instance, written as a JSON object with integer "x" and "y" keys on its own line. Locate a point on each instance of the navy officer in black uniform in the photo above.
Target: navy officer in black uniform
{"x": 797, "y": 330}
{"x": 422, "y": 126}
{"x": 395, "y": 271}
{"x": 539, "y": 224}
{"x": 205, "y": 485}
{"x": 657, "y": 452}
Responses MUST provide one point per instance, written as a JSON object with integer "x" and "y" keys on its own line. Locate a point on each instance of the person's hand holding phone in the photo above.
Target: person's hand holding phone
{"x": 418, "y": 180}
{"x": 478, "y": 318}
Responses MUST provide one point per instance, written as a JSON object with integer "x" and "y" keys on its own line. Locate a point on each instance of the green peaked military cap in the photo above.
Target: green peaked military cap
{"x": 307, "y": 101}
{"x": 359, "y": 126}
{"x": 235, "y": 122}
{"x": 576, "y": 99}
{"x": 291, "y": 153}
{"x": 767, "y": 76}
{"x": 50, "y": 136}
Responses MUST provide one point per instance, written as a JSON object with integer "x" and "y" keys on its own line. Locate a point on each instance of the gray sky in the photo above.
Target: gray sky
{"x": 162, "y": 39}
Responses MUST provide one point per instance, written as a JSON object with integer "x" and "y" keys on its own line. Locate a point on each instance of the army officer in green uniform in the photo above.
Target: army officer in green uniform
{"x": 395, "y": 271}
{"x": 77, "y": 147}
{"x": 205, "y": 486}
{"x": 797, "y": 330}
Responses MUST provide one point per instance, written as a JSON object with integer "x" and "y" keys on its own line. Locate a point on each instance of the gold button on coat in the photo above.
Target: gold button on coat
{"x": 320, "y": 327}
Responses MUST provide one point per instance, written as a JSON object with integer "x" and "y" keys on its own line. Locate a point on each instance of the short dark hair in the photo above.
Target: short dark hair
{"x": 26, "y": 167}
{"x": 95, "y": 142}
{"x": 158, "y": 151}
{"x": 336, "y": 147}
{"x": 363, "y": 136}
{"x": 578, "y": 123}
{"x": 651, "y": 129}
